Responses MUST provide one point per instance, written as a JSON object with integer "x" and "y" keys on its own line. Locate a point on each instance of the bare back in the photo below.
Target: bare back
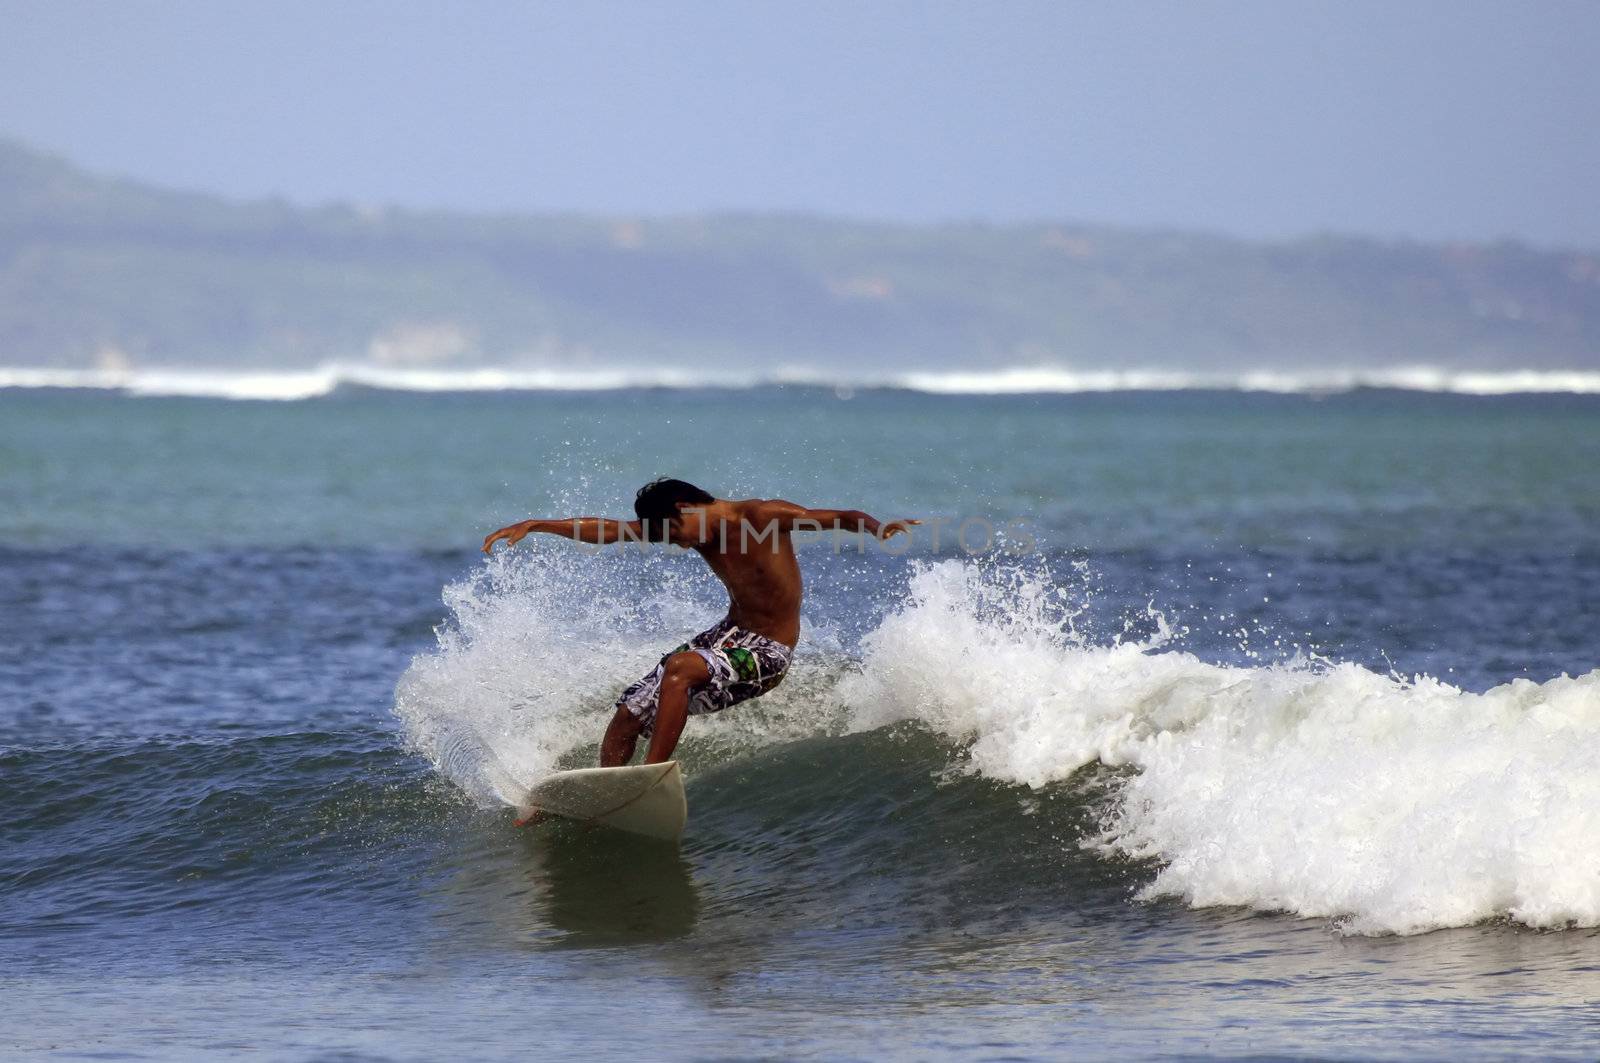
{"x": 760, "y": 572}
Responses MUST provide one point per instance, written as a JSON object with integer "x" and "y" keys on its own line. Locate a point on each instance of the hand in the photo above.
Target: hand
{"x": 511, "y": 534}
{"x": 886, "y": 530}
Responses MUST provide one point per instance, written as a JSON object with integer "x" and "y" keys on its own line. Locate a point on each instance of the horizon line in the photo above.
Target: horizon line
{"x": 289, "y": 385}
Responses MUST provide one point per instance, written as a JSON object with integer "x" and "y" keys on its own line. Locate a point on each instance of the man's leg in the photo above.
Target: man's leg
{"x": 616, "y": 749}
{"x": 685, "y": 671}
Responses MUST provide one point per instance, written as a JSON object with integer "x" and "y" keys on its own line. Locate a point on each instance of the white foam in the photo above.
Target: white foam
{"x": 1390, "y": 806}
{"x": 1054, "y": 380}
{"x": 290, "y": 385}
{"x": 1050, "y": 380}
{"x": 324, "y": 380}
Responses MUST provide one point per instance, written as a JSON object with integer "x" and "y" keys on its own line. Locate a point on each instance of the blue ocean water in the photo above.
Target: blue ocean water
{"x": 1275, "y": 731}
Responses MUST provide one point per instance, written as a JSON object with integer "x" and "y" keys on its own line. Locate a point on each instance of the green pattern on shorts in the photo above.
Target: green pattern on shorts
{"x": 744, "y": 662}
{"x": 740, "y": 665}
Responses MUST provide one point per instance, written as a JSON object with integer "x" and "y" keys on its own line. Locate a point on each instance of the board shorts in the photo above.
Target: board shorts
{"x": 743, "y": 665}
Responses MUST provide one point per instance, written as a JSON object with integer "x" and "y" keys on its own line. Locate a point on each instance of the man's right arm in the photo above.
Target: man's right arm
{"x": 597, "y": 530}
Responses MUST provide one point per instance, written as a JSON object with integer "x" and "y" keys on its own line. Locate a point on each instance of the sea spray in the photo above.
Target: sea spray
{"x": 1390, "y": 805}
{"x": 993, "y": 656}
{"x": 542, "y": 639}
{"x": 525, "y": 667}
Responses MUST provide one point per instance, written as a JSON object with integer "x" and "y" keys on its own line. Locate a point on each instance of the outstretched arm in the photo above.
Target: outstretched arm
{"x": 788, "y": 517}
{"x": 583, "y": 529}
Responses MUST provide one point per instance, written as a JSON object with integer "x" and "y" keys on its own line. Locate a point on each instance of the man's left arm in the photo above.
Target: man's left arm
{"x": 789, "y": 517}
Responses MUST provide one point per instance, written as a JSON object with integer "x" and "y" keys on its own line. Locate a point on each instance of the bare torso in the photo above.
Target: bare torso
{"x": 762, "y": 578}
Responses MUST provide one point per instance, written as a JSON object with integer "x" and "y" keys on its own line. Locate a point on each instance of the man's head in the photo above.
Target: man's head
{"x": 659, "y": 505}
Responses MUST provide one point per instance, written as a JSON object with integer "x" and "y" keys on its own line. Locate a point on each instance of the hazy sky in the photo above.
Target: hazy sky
{"x": 1260, "y": 117}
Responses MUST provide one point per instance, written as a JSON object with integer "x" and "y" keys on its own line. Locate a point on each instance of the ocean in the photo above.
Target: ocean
{"x": 1222, "y": 721}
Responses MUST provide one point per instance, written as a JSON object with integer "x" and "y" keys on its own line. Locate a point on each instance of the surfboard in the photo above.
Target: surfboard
{"x": 640, "y": 799}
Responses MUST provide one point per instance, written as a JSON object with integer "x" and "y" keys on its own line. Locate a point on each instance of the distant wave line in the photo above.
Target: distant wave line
{"x": 293, "y": 385}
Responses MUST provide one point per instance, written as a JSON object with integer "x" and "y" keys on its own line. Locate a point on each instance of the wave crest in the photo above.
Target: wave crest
{"x": 1390, "y": 805}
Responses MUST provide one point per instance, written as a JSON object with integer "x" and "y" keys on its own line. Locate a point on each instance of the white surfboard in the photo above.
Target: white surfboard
{"x": 641, "y": 799}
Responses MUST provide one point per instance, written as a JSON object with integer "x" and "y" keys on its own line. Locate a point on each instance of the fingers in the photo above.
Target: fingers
{"x": 508, "y": 535}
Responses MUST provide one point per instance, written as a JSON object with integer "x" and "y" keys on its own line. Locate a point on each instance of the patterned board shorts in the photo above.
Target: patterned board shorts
{"x": 743, "y": 665}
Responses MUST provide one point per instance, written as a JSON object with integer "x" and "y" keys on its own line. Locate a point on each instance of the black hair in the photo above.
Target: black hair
{"x": 657, "y": 503}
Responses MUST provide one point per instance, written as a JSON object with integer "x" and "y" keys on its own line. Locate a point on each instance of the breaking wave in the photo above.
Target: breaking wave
{"x": 1389, "y": 804}
{"x": 1384, "y": 804}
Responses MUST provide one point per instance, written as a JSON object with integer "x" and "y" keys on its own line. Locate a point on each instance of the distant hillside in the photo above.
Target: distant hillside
{"x": 99, "y": 271}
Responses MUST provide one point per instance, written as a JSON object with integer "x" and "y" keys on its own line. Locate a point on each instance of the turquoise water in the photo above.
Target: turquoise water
{"x": 1113, "y": 472}
{"x": 1263, "y": 749}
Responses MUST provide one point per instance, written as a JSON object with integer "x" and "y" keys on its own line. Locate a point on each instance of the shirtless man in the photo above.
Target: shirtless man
{"x": 747, "y": 544}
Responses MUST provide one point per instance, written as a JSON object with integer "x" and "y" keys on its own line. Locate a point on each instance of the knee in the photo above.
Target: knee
{"x": 687, "y": 668}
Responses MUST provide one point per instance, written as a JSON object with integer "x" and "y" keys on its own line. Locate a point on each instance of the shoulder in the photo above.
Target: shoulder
{"x": 761, "y": 509}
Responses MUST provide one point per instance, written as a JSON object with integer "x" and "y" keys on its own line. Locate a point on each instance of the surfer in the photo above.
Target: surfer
{"x": 747, "y": 544}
